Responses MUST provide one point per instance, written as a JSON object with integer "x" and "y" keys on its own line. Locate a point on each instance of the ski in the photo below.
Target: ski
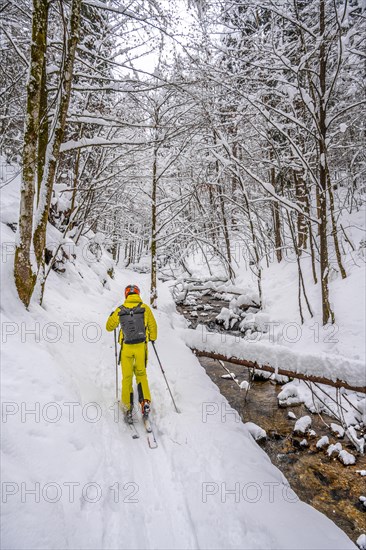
{"x": 147, "y": 424}
{"x": 134, "y": 433}
{"x": 151, "y": 439}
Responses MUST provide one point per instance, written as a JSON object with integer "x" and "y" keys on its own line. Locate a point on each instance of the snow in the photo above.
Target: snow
{"x": 264, "y": 352}
{"x": 322, "y": 442}
{"x": 291, "y": 415}
{"x": 225, "y": 316}
{"x": 73, "y": 476}
{"x": 359, "y": 442}
{"x": 255, "y": 431}
{"x": 333, "y": 351}
{"x": 289, "y": 395}
{"x": 302, "y": 425}
{"x": 97, "y": 141}
{"x": 337, "y": 430}
{"x": 361, "y": 542}
{"x": 334, "y": 448}
{"x": 346, "y": 457}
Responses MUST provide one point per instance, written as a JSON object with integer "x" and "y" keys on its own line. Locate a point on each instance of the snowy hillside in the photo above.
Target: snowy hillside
{"x": 73, "y": 477}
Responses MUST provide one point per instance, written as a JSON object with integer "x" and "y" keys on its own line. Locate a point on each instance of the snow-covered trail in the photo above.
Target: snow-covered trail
{"x": 207, "y": 485}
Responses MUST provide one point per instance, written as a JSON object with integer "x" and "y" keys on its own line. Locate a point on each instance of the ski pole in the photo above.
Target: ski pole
{"x": 162, "y": 370}
{"x": 115, "y": 353}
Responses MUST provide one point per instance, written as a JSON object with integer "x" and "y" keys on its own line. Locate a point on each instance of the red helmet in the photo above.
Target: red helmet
{"x": 131, "y": 289}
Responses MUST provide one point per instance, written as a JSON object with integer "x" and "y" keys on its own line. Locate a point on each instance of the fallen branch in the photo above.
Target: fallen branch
{"x": 284, "y": 372}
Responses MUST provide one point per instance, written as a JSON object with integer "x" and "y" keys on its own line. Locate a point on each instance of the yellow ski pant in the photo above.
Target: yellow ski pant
{"x": 133, "y": 361}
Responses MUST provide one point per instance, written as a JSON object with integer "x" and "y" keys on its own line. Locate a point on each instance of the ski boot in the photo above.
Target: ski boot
{"x": 145, "y": 408}
{"x": 128, "y": 417}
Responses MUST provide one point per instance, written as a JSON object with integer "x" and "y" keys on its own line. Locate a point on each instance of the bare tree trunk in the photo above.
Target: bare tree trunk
{"x": 334, "y": 228}
{"x": 153, "y": 288}
{"x": 53, "y": 149}
{"x": 301, "y": 284}
{"x": 328, "y": 315}
{"x": 276, "y": 221}
{"x": 213, "y": 225}
{"x": 312, "y": 251}
{"x": 74, "y": 189}
{"x": 226, "y": 236}
{"x": 302, "y": 226}
{"x": 24, "y": 274}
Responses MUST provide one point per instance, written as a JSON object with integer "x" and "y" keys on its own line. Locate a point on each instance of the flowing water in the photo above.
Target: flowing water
{"x": 319, "y": 480}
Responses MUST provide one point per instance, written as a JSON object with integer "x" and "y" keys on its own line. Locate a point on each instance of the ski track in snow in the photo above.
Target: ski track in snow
{"x": 260, "y": 512}
{"x": 170, "y": 512}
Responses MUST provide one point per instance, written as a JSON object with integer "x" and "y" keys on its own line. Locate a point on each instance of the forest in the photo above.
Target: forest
{"x": 246, "y": 131}
{"x": 214, "y": 153}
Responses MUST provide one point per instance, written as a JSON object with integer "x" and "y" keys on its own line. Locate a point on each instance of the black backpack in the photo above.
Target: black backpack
{"x": 133, "y": 324}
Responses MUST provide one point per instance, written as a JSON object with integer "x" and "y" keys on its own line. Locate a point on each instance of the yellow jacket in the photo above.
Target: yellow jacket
{"x": 132, "y": 301}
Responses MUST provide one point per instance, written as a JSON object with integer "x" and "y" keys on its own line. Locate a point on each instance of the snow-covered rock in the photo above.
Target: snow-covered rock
{"x": 289, "y": 395}
{"x": 337, "y": 430}
{"x": 302, "y": 425}
{"x": 255, "y": 431}
{"x": 257, "y": 322}
{"x": 226, "y": 316}
{"x": 346, "y": 458}
{"x": 334, "y": 448}
{"x": 361, "y": 542}
{"x": 322, "y": 442}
